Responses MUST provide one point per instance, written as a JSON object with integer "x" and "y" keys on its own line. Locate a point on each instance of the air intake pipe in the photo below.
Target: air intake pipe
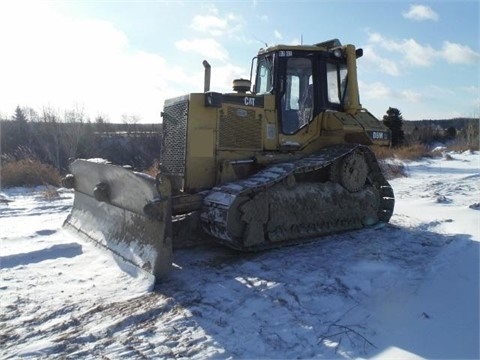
{"x": 352, "y": 105}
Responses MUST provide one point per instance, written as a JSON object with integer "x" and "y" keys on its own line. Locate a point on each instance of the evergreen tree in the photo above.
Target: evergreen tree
{"x": 394, "y": 121}
{"x": 19, "y": 115}
{"x": 451, "y": 133}
{"x": 17, "y": 140}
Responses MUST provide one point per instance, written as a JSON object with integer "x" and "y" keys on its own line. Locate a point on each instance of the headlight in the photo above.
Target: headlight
{"x": 338, "y": 53}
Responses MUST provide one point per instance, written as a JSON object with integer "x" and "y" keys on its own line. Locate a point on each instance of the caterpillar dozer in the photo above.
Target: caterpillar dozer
{"x": 284, "y": 158}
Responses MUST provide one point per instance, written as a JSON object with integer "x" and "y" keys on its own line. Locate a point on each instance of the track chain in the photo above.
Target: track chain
{"x": 217, "y": 204}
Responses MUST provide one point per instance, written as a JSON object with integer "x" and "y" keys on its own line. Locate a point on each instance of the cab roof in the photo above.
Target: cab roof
{"x": 323, "y": 46}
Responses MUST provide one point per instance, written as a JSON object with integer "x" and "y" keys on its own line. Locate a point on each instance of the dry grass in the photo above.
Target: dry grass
{"x": 390, "y": 159}
{"x": 392, "y": 170}
{"x": 154, "y": 169}
{"x": 412, "y": 152}
{"x": 50, "y": 194}
{"x": 28, "y": 172}
{"x": 460, "y": 148}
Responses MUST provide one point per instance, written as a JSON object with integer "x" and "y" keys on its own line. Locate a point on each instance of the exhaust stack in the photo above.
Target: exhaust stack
{"x": 206, "y": 82}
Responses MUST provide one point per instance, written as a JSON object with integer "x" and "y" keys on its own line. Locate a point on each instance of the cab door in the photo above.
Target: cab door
{"x": 296, "y": 101}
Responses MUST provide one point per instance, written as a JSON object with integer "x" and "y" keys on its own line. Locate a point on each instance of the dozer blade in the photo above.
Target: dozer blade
{"x": 124, "y": 212}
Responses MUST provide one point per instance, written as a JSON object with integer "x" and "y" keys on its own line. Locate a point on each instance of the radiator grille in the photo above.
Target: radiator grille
{"x": 175, "y": 115}
{"x": 239, "y": 129}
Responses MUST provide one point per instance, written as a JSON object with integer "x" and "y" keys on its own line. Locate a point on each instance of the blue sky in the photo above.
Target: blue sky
{"x": 124, "y": 58}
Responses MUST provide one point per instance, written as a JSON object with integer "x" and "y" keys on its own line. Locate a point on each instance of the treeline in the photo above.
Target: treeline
{"x": 462, "y": 132}
{"x": 458, "y": 123}
{"x": 56, "y": 140}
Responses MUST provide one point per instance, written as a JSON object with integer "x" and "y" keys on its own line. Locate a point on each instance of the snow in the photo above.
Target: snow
{"x": 406, "y": 290}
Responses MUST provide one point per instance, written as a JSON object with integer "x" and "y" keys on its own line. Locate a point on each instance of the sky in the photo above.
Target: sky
{"x": 122, "y": 59}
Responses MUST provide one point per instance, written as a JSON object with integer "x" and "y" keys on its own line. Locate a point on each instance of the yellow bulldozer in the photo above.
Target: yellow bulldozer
{"x": 282, "y": 159}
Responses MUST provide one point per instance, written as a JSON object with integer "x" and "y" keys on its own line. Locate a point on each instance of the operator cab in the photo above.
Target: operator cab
{"x": 306, "y": 80}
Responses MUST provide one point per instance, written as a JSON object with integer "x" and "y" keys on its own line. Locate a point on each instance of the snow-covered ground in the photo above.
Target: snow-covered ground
{"x": 409, "y": 289}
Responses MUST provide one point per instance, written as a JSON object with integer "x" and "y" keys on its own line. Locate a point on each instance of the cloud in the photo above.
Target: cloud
{"x": 216, "y": 25}
{"x": 222, "y": 76}
{"x": 59, "y": 62}
{"x": 278, "y": 35}
{"x": 472, "y": 92}
{"x": 438, "y": 91}
{"x": 411, "y": 96}
{"x": 91, "y": 65}
{"x": 459, "y": 54}
{"x": 416, "y": 54}
{"x": 206, "y": 47}
{"x": 379, "y": 91}
{"x": 376, "y": 90}
{"x": 413, "y": 53}
{"x": 385, "y": 65}
{"x": 377, "y": 97}
{"x": 420, "y": 13}
{"x": 295, "y": 41}
{"x": 428, "y": 102}
{"x": 209, "y": 23}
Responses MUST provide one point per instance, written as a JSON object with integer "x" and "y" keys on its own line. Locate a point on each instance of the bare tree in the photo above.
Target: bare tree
{"x": 51, "y": 132}
{"x": 131, "y": 121}
{"x": 73, "y": 131}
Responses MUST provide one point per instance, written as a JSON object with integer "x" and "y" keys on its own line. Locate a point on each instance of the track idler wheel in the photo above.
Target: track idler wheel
{"x": 350, "y": 171}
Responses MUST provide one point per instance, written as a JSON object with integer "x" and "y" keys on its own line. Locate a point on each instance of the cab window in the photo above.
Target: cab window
{"x": 336, "y": 82}
{"x": 263, "y": 82}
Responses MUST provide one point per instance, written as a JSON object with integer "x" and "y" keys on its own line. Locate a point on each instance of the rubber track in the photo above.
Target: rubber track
{"x": 217, "y": 203}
